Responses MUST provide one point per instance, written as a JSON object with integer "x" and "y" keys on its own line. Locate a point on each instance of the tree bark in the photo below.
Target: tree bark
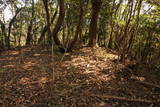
{"x": 44, "y": 30}
{"x": 59, "y": 22}
{"x": 135, "y": 28}
{"x": 96, "y": 6}
{"x": 79, "y": 26}
{"x": 45, "y": 2}
{"x": 125, "y": 37}
{"x": 10, "y": 26}
{"x": 3, "y": 29}
{"x": 30, "y": 27}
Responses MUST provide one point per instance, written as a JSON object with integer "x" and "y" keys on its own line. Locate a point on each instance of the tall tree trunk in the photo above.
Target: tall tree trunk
{"x": 3, "y": 29}
{"x": 44, "y": 30}
{"x": 10, "y": 27}
{"x": 135, "y": 28}
{"x": 30, "y": 27}
{"x": 79, "y": 25}
{"x": 96, "y": 6}
{"x": 59, "y": 22}
{"x": 125, "y": 35}
{"x": 110, "y": 44}
{"x": 45, "y": 2}
{"x": 63, "y": 36}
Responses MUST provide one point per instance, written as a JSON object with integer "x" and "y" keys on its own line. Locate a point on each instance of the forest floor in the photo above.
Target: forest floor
{"x": 89, "y": 77}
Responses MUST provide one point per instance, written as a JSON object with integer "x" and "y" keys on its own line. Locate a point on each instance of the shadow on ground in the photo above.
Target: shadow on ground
{"x": 81, "y": 79}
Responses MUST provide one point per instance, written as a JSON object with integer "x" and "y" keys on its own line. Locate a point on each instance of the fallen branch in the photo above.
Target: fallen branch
{"x": 127, "y": 99}
{"x": 149, "y": 84}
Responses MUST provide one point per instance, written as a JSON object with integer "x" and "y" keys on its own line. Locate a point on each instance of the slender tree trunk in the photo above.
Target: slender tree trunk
{"x": 96, "y": 6}
{"x": 79, "y": 26}
{"x": 63, "y": 36}
{"x": 10, "y": 27}
{"x": 110, "y": 44}
{"x": 45, "y": 2}
{"x": 147, "y": 47}
{"x": 68, "y": 35}
{"x": 135, "y": 28}
{"x": 15, "y": 37}
{"x": 44, "y": 30}
{"x": 125, "y": 35}
{"x": 30, "y": 27}
{"x": 3, "y": 29}
{"x": 59, "y": 22}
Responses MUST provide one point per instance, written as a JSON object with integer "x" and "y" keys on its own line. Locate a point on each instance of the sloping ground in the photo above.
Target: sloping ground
{"x": 89, "y": 77}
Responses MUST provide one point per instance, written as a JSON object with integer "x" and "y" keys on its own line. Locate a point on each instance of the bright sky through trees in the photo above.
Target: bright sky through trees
{"x": 8, "y": 14}
{"x": 7, "y": 11}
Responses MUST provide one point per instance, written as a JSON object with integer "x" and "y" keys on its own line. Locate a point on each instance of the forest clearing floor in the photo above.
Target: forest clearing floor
{"x": 89, "y": 77}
